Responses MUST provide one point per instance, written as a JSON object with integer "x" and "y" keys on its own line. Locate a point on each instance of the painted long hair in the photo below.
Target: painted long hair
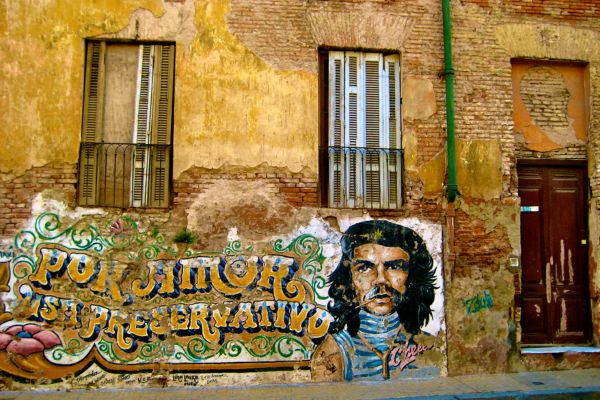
{"x": 414, "y": 308}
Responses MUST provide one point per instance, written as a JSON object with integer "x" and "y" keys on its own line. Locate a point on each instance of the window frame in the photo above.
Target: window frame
{"x": 325, "y": 127}
{"x": 154, "y": 147}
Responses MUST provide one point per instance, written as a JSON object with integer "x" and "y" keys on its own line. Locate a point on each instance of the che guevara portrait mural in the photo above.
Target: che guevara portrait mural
{"x": 98, "y": 301}
{"x": 381, "y": 295}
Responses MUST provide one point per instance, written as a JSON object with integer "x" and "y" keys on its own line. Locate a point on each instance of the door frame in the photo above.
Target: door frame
{"x": 583, "y": 165}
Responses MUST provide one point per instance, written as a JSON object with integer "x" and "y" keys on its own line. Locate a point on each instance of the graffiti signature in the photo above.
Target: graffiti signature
{"x": 403, "y": 355}
{"x": 479, "y": 302}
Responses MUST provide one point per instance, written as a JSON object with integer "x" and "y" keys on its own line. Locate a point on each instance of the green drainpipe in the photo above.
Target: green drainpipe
{"x": 452, "y": 190}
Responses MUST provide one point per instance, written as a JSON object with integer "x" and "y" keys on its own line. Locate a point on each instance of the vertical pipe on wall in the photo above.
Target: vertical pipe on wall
{"x": 452, "y": 189}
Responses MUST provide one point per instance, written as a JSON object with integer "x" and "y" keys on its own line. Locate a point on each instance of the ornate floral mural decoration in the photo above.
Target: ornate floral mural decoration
{"x": 123, "y": 298}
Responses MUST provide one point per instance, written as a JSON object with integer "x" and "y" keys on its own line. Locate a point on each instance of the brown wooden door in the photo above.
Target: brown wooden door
{"x": 554, "y": 293}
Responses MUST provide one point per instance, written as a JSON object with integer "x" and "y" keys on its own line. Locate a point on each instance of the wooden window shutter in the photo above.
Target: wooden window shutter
{"x": 336, "y": 127}
{"x": 354, "y": 132}
{"x": 162, "y": 107}
{"x": 364, "y": 130}
{"x": 375, "y": 183}
{"x": 93, "y": 108}
{"x": 392, "y": 93}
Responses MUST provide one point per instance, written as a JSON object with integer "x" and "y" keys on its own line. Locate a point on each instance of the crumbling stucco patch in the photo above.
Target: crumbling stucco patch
{"x": 432, "y": 174}
{"x": 418, "y": 98}
{"x": 479, "y": 168}
{"x": 474, "y": 337}
{"x": 410, "y": 144}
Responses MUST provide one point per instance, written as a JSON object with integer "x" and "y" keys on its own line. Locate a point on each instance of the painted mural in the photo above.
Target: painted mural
{"x": 114, "y": 299}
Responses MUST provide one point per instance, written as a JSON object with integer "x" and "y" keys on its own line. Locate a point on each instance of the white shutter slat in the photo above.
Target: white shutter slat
{"x": 394, "y": 163}
{"x": 143, "y": 114}
{"x": 354, "y": 134}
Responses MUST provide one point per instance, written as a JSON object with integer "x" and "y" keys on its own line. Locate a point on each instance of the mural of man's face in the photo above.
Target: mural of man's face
{"x": 376, "y": 272}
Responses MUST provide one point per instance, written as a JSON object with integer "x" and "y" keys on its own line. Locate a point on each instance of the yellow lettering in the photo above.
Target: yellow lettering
{"x": 243, "y": 316}
{"x": 95, "y": 323}
{"x": 276, "y": 269}
{"x": 137, "y": 325}
{"x": 264, "y": 307}
{"x": 221, "y": 319}
{"x": 117, "y": 330}
{"x": 280, "y": 316}
{"x": 32, "y": 303}
{"x": 317, "y": 331}
{"x": 179, "y": 318}
{"x": 159, "y": 324}
{"x": 49, "y": 310}
{"x": 167, "y": 285}
{"x": 240, "y": 271}
{"x": 108, "y": 281}
{"x": 143, "y": 289}
{"x": 217, "y": 282}
{"x": 70, "y": 309}
{"x": 193, "y": 276}
{"x": 89, "y": 266}
{"x": 46, "y": 267}
{"x": 297, "y": 318}
{"x": 199, "y": 313}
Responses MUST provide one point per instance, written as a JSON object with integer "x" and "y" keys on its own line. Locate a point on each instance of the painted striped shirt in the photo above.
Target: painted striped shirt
{"x": 359, "y": 360}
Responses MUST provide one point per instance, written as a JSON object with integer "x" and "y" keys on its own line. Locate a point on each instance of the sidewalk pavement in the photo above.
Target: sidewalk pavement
{"x": 571, "y": 384}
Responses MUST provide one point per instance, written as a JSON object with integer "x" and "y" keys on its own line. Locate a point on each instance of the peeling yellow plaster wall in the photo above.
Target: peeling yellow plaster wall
{"x": 233, "y": 108}
{"x": 432, "y": 174}
{"x": 230, "y": 107}
{"x": 479, "y": 168}
{"x": 41, "y": 75}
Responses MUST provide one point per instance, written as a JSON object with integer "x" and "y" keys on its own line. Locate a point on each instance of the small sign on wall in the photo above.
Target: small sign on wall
{"x": 528, "y": 209}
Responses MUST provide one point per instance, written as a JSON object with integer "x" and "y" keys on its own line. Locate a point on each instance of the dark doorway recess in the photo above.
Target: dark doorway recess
{"x": 554, "y": 296}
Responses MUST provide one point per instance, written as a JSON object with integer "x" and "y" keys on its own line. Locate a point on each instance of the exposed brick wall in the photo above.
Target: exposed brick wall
{"x": 16, "y": 195}
{"x": 297, "y": 188}
{"x": 477, "y": 246}
{"x": 573, "y": 10}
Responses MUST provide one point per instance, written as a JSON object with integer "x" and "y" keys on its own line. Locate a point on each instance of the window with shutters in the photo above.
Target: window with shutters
{"x": 125, "y": 156}
{"x": 361, "y": 154}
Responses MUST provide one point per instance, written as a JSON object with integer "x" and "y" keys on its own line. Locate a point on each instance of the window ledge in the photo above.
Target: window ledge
{"x": 560, "y": 349}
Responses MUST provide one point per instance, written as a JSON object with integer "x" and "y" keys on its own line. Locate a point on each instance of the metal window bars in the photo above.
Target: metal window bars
{"x": 124, "y": 174}
{"x": 364, "y": 177}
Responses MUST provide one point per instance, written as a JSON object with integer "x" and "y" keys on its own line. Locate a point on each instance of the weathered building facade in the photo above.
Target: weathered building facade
{"x": 206, "y": 192}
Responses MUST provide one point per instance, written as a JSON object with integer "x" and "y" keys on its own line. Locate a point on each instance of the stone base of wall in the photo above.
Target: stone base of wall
{"x": 560, "y": 361}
